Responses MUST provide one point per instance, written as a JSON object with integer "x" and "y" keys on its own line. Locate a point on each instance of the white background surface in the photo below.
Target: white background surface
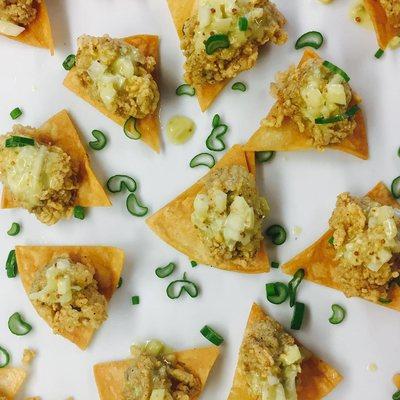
{"x": 301, "y": 188}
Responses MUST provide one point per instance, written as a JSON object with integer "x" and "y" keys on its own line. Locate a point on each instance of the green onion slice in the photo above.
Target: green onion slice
{"x": 243, "y": 24}
{"x": 396, "y": 396}
{"x": 338, "y": 314}
{"x": 79, "y": 212}
{"x": 69, "y": 62}
{"x": 274, "y": 264}
{"x": 395, "y": 187}
{"x": 130, "y": 129}
{"x": 185, "y": 89}
{"x": 163, "y": 272}
{"x": 276, "y": 292}
{"x": 239, "y": 86}
{"x": 331, "y": 240}
{"x": 205, "y": 159}
{"x": 312, "y": 39}
{"x": 184, "y": 285}
{"x": 100, "y": 142}
{"x": 277, "y": 234}
{"x": 398, "y": 152}
{"x": 211, "y": 335}
{"x": 19, "y": 141}
{"x": 264, "y": 156}
{"x": 384, "y": 300}
{"x": 135, "y": 300}
{"x": 216, "y": 42}
{"x": 18, "y": 326}
{"x": 339, "y": 117}
{"x": 14, "y": 229}
{"x": 4, "y": 357}
{"x": 193, "y": 263}
{"x": 217, "y": 120}
{"x": 298, "y": 316}
{"x": 294, "y": 284}
{"x": 16, "y": 113}
{"x": 135, "y": 207}
{"x": 214, "y": 141}
{"x": 119, "y": 282}
{"x": 379, "y": 53}
{"x": 11, "y": 265}
{"x": 336, "y": 70}
{"x": 119, "y": 183}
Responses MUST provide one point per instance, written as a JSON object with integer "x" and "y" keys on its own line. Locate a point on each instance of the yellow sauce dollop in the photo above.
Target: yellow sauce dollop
{"x": 180, "y": 129}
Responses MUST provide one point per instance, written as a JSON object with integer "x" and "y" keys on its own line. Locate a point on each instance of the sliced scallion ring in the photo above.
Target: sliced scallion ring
{"x": 79, "y": 212}
{"x": 298, "y": 316}
{"x": 19, "y": 141}
{"x": 14, "y": 229}
{"x": 18, "y": 326}
{"x": 216, "y": 42}
{"x": 131, "y": 130}
{"x": 11, "y": 265}
{"x": 398, "y": 152}
{"x": 336, "y": 70}
{"x": 16, "y": 113}
{"x": 185, "y": 89}
{"x": 312, "y": 39}
{"x": 331, "y": 240}
{"x": 205, "y": 159}
{"x": 193, "y": 263}
{"x": 4, "y": 357}
{"x": 274, "y": 264}
{"x": 338, "y": 314}
{"x": 119, "y": 183}
{"x": 135, "y": 207}
{"x": 214, "y": 141}
{"x": 264, "y": 156}
{"x": 184, "y": 285}
{"x": 163, "y": 272}
{"x": 396, "y": 396}
{"x": 239, "y": 86}
{"x": 135, "y": 300}
{"x": 384, "y": 300}
{"x": 294, "y": 284}
{"x": 69, "y": 62}
{"x": 119, "y": 282}
{"x": 100, "y": 142}
{"x": 395, "y": 188}
{"x": 211, "y": 335}
{"x": 243, "y": 24}
{"x": 277, "y": 234}
{"x": 217, "y": 120}
{"x": 339, "y": 117}
{"x": 379, "y": 53}
{"x": 277, "y": 292}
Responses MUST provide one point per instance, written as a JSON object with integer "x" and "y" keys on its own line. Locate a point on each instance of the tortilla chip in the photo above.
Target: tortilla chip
{"x": 60, "y": 131}
{"x": 11, "y": 380}
{"x": 318, "y": 260}
{"x": 173, "y": 223}
{"x": 38, "y": 33}
{"x": 385, "y": 31}
{"x": 110, "y": 375}
{"x": 148, "y": 126}
{"x": 315, "y": 381}
{"x": 287, "y": 137}
{"x": 107, "y": 261}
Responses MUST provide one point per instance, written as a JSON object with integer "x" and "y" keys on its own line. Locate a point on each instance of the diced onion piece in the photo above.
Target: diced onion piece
{"x": 124, "y": 67}
{"x": 96, "y": 70}
{"x": 10, "y": 29}
{"x": 336, "y": 94}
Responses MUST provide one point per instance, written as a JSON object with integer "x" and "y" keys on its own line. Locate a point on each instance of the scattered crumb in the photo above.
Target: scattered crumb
{"x": 396, "y": 380}
{"x": 27, "y": 358}
{"x": 372, "y": 367}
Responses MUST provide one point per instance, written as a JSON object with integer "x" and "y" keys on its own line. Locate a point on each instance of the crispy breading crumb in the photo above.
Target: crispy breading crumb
{"x": 28, "y": 356}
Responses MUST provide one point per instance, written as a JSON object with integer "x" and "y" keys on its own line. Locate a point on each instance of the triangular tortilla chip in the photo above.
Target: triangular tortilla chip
{"x": 148, "y": 126}
{"x": 288, "y": 137}
{"x": 110, "y": 375}
{"x": 318, "y": 260}
{"x": 11, "y": 380}
{"x": 173, "y": 224}
{"x": 60, "y": 131}
{"x": 315, "y": 381}
{"x": 108, "y": 263}
{"x": 38, "y": 33}
{"x": 385, "y": 31}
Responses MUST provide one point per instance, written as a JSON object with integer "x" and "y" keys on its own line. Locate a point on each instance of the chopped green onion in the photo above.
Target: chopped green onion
{"x": 336, "y": 70}
{"x": 312, "y": 39}
{"x": 277, "y": 234}
{"x": 243, "y": 24}
{"x": 69, "y": 62}
{"x": 135, "y": 207}
{"x": 264, "y": 156}
{"x": 18, "y": 326}
{"x": 205, "y": 159}
{"x": 184, "y": 286}
{"x": 119, "y": 183}
{"x": 331, "y": 240}
{"x": 339, "y": 314}
{"x": 19, "y": 141}
{"x": 384, "y": 301}
{"x": 211, "y": 335}
{"x": 16, "y": 113}
{"x": 14, "y": 230}
{"x": 277, "y": 292}
{"x": 100, "y": 142}
{"x": 11, "y": 265}
{"x": 294, "y": 284}
{"x": 274, "y": 264}
{"x": 185, "y": 89}
{"x": 193, "y": 264}
{"x": 130, "y": 129}
{"x": 217, "y": 120}
{"x": 119, "y": 282}
{"x": 79, "y": 212}
{"x": 216, "y": 42}
{"x": 379, "y": 53}
{"x": 163, "y": 272}
{"x": 214, "y": 141}
{"x": 298, "y": 316}
{"x": 395, "y": 187}
{"x": 239, "y": 86}
{"x": 398, "y": 152}
{"x": 339, "y": 117}
{"x": 4, "y": 357}
{"x": 396, "y": 396}
{"x": 135, "y": 300}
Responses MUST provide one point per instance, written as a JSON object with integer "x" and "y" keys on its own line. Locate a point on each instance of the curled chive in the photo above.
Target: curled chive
{"x": 69, "y": 62}
{"x": 243, "y": 24}
{"x": 79, "y": 212}
{"x": 298, "y": 316}
{"x": 312, "y": 39}
{"x": 163, "y": 272}
{"x": 185, "y": 89}
{"x": 395, "y": 188}
{"x": 264, "y": 156}
{"x": 214, "y": 141}
{"x": 135, "y": 207}
{"x": 4, "y": 357}
{"x": 205, "y": 159}
{"x": 217, "y": 120}
{"x": 277, "y": 292}
{"x": 239, "y": 86}
{"x": 294, "y": 284}
{"x": 339, "y": 117}
{"x": 277, "y": 234}
{"x": 18, "y": 326}
{"x": 19, "y": 141}
{"x": 379, "y": 53}
{"x": 131, "y": 130}
{"x": 119, "y": 183}
{"x": 100, "y": 142}
{"x": 14, "y": 229}
{"x": 211, "y": 335}
{"x": 216, "y": 42}
{"x": 336, "y": 70}
{"x": 184, "y": 285}
{"x": 338, "y": 314}
{"x": 16, "y": 113}
{"x": 11, "y": 265}
{"x": 135, "y": 300}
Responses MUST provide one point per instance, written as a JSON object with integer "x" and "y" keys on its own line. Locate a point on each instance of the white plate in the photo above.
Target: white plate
{"x": 301, "y": 188}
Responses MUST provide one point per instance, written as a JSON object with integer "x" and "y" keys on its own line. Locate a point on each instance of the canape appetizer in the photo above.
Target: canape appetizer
{"x": 359, "y": 255}
{"x": 272, "y": 365}
{"x": 118, "y": 77}
{"x": 47, "y": 171}
{"x": 218, "y": 220}
{"x": 26, "y": 21}
{"x": 315, "y": 109}
{"x": 155, "y": 372}
{"x": 70, "y": 287}
{"x": 221, "y": 38}
{"x": 11, "y": 381}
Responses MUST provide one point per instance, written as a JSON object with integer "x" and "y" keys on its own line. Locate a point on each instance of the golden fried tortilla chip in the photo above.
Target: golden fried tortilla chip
{"x": 60, "y": 131}
{"x": 288, "y": 137}
{"x": 315, "y": 381}
{"x": 110, "y": 376}
{"x": 318, "y": 260}
{"x": 149, "y": 126}
{"x": 11, "y": 380}
{"x": 38, "y": 33}
{"x": 173, "y": 222}
{"x": 107, "y": 261}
